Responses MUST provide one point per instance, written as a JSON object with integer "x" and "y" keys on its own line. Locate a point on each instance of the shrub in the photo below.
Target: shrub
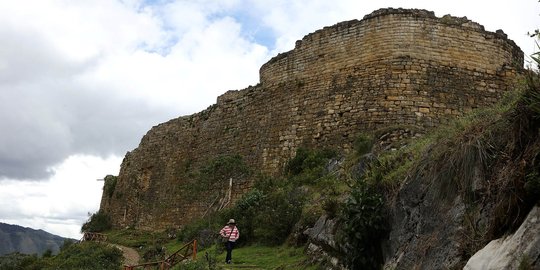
{"x": 390, "y": 168}
{"x": 363, "y": 225}
{"x": 265, "y": 217}
{"x": 17, "y": 261}
{"x": 154, "y": 252}
{"x": 224, "y": 167}
{"x": 308, "y": 166}
{"x": 331, "y": 207}
{"x": 98, "y": 222}
{"x": 245, "y": 211}
{"x": 278, "y": 214}
{"x": 310, "y": 214}
{"x": 531, "y": 97}
{"x": 215, "y": 174}
{"x": 47, "y": 253}
{"x": 109, "y": 185}
{"x": 363, "y": 144}
{"x": 204, "y": 230}
{"x": 306, "y": 160}
{"x": 267, "y": 184}
{"x": 67, "y": 243}
{"x": 87, "y": 255}
{"x": 269, "y": 212}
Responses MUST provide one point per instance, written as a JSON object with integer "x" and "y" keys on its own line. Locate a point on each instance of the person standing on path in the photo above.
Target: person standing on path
{"x": 230, "y": 234}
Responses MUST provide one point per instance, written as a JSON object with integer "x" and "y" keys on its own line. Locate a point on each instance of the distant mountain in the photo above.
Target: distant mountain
{"x": 14, "y": 238}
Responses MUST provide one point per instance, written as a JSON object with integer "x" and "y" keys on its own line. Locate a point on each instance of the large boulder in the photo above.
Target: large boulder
{"x": 520, "y": 250}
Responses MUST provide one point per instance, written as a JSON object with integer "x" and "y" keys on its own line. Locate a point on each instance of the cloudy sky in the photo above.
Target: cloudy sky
{"x": 82, "y": 81}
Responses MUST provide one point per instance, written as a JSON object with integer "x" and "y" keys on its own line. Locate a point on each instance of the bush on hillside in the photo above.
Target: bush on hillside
{"x": 86, "y": 255}
{"x": 18, "y": 261}
{"x": 223, "y": 168}
{"x": 97, "y": 222}
{"x": 153, "y": 253}
{"x": 265, "y": 218}
{"x": 269, "y": 212}
{"x": 204, "y": 230}
{"x": 244, "y": 212}
{"x": 363, "y": 144}
{"x": 308, "y": 159}
{"x": 110, "y": 185}
{"x": 277, "y": 215}
{"x": 212, "y": 178}
{"x": 363, "y": 225}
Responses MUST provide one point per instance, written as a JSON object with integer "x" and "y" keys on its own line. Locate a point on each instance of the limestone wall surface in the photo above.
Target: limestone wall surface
{"x": 393, "y": 67}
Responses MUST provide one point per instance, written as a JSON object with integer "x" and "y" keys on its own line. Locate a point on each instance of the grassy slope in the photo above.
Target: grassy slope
{"x": 255, "y": 257}
{"x": 245, "y": 257}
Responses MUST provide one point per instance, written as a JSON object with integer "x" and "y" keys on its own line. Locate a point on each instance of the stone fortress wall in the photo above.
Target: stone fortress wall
{"x": 393, "y": 67}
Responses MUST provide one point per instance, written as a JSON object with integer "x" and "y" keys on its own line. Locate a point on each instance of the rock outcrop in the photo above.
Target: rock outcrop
{"x": 521, "y": 248}
{"x": 322, "y": 245}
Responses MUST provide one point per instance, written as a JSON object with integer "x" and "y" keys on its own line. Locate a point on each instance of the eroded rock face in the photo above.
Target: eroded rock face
{"x": 425, "y": 228}
{"x": 444, "y": 214}
{"x": 521, "y": 248}
{"x": 322, "y": 244}
{"x": 323, "y": 232}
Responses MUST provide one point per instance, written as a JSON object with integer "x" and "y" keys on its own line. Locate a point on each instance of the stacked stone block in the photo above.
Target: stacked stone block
{"x": 393, "y": 67}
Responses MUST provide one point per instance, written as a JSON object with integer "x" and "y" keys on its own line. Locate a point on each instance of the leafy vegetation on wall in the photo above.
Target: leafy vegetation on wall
{"x": 211, "y": 179}
{"x": 109, "y": 185}
{"x": 97, "y": 222}
{"x": 270, "y": 211}
{"x": 363, "y": 226}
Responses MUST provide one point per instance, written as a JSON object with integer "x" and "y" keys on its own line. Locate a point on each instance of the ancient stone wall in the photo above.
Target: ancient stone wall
{"x": 393, "y": 67}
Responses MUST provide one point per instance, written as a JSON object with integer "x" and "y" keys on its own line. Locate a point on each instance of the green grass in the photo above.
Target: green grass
{"x": 133, "y": 238}
{"x": 245, "y": 257}
{"x": 173, "y": 246}
{"x": 261, "y": 257}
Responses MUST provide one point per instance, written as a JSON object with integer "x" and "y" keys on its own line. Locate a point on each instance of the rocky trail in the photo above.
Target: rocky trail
{"x": 131, "y": 256}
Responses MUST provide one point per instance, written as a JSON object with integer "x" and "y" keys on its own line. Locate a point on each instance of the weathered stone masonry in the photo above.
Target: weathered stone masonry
{"x": 393, "y": 67}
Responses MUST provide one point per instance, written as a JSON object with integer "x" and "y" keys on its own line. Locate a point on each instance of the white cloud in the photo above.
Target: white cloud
{"x": 60, "y": 204}
{"x": 200, "y": 66}
{"x": 82, "y": 30}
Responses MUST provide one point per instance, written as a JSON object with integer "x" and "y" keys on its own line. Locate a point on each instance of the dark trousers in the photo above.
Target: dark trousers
{"x": 229, "y": 247}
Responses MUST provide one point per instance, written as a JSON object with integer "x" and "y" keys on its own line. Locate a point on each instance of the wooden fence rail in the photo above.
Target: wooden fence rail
{"x": 187, "y": 251}
{"x": 93, "y": 236}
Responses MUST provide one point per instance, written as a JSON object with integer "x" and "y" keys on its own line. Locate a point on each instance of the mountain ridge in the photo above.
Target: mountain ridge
{"x": 16, "y": 238}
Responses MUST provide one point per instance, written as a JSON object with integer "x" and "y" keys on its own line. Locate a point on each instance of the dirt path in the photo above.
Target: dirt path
{"x": 131, "y": 256}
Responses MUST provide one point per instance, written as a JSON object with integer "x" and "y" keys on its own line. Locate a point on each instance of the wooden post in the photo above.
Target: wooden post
{"x": 195, "y": 249}
{"x": 230, "y": 190}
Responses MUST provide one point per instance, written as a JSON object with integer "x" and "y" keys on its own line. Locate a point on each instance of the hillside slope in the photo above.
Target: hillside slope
{"x": 14, "y": 238}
